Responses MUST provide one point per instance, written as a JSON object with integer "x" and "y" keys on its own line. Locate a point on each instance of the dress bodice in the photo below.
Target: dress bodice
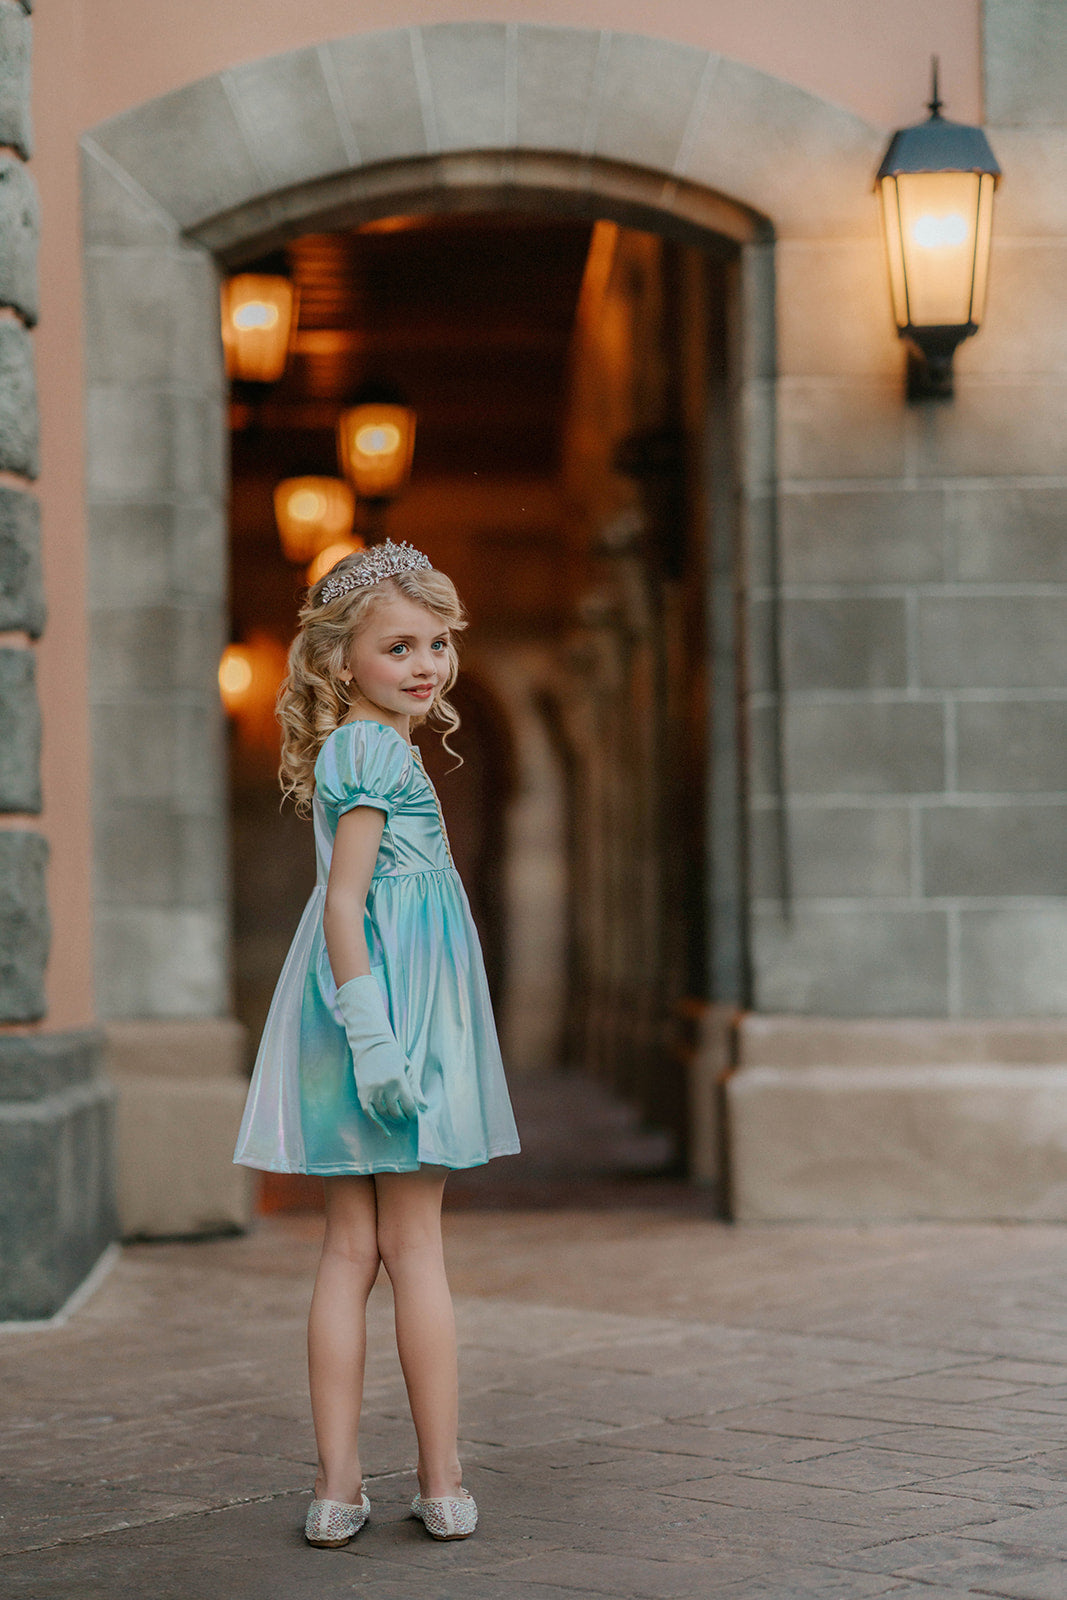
{"x": 366, "y": 763}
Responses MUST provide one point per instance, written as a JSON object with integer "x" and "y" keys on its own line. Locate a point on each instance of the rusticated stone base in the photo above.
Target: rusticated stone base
{"x": 834, "y": 1120}
{"x": 181, "y": 1088}
{"x": 57, "y": 1205}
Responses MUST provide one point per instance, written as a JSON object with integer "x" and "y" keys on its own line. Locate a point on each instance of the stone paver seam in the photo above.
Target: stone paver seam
{"x": 204, "y": 1510}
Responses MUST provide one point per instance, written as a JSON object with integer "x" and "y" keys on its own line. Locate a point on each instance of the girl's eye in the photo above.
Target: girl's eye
{"x": 439, "y": 644}
{"x": 397, "y": 647}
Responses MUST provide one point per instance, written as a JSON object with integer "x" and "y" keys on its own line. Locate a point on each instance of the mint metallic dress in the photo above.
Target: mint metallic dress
{"x": 302, "y": 1114}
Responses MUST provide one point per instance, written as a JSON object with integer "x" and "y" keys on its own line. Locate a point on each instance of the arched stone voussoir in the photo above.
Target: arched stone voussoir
{"x": 476, "y": 180}
{"x": 184, "y": 151}
{"x": 238, "y": 138}
{"x": 801, "y": 161}
{"x": 290, "y": 117}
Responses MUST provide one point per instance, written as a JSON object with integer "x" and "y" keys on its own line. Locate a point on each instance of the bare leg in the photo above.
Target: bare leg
{"x": 409, "y": 1239}
{"x": 337, "y": 1333}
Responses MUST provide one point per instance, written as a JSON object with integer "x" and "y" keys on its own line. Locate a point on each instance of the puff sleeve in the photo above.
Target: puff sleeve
{"x": 363, "y": 764}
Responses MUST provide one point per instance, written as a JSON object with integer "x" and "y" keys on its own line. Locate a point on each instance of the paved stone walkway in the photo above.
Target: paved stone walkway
{"x": 655, "y": 1405}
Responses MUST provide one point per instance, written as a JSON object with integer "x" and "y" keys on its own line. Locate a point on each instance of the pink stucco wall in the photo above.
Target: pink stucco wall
{"x": 869, "y": 56}
{"x": 94, "y": 58}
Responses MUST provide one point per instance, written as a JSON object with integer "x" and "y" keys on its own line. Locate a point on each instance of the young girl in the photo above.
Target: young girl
{"x": 379, "y": 1066}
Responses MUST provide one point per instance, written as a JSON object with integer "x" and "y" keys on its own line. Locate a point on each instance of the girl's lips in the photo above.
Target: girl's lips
{"x": 422, "y": 694}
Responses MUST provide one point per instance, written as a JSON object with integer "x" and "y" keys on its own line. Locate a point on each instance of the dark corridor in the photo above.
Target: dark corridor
{"x": 560, "y": 372}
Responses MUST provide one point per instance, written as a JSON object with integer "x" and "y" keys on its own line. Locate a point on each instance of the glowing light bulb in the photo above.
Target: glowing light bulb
{"x": 235, "y": 675}
{"x": 307, "y": 505}
{"x": 940, "y": 232}
{"x": 374, "y": 444}
{"x": 255, "y": 314}
{"x": 258, "y": 314}
{"x": 328, "y": 558}
{"x": 378, "y": 439}
{"x": 312, "y": 512}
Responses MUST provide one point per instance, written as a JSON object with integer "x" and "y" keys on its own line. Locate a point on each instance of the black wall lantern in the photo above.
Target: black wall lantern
{"x": 936, "y": 184}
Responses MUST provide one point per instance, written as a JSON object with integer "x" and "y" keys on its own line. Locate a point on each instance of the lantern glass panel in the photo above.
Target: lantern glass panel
{"x": 312, "y": 513}
{"x": 982, "y": 245}
{"x": 327, "y": 559}
{"x": 258, "y": 313}
{"x": 898, "y": 285}
{"x": 938, "y": 219}
{"x": 375, "y": 444}
{"x": 250, "y": 676}
{"x": 235, "y": 676}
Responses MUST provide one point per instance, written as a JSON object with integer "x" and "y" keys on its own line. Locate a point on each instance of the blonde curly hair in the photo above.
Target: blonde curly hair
{"x": 312, "y": 700}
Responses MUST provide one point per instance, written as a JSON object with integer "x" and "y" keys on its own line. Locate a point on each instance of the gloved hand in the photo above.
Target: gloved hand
{"x": 384, "y": 1081}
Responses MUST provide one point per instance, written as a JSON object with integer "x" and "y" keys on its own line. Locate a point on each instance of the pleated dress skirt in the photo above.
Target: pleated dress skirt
{"x": 302, "y": 1113}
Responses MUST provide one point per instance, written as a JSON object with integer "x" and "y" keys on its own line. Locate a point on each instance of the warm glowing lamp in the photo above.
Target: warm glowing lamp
{"x": 236, "y": 676}
{"x": 328, "y": 558}
{"x": 375, "y": 442}
{"x": 936, "y": 184}
{"x": 312, "y": 513}
{"x": 258, "y": 316}
{"x": 249, "y": 676}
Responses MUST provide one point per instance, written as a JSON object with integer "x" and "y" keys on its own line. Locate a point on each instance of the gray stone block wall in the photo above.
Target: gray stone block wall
{"x": 924, "y": 723}
{"x": 839, "y": 959}
{"x": 156, "y": 432}
{"x": 919, "y": 782}
{"x": 57, "y": 1197}
{"x": 24, "y": 930}
{"x": 19, "y": 225}
{"x": 57, "y": 1206}
{"x": 1025, "y": 58}
{"x": 16, "y": 127}
{"x": 20, "y": 733}
{"x": 21, "y": 584}
{"x": 18, "y": 402}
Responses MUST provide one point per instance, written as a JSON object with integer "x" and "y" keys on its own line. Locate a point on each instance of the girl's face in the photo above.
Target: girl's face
{"x": 398, "y": 660}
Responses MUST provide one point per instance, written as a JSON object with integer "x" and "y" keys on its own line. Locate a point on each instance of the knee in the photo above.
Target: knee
{"x": 407, "y": 1243}
{"x": 357, "y": 1252}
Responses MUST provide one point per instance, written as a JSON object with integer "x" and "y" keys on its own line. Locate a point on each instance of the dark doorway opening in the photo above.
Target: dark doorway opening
{"x": 562, "y": 373}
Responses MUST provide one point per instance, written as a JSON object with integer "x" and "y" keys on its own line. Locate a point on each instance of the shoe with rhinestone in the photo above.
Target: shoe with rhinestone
{"x": 331, "y": 1523}
{"x": 447, "y": 1516}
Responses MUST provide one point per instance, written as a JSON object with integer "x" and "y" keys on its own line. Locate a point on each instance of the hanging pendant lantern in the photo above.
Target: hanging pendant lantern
{"x": 327, "y": 559}
{"x": 311, "y": 513}
{"x": 258, "y": 319}
{"x": 375, "y": 444}
{"x": 249, "y": 675}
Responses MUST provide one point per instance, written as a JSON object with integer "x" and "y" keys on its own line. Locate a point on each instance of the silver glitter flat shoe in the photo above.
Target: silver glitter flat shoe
{"x": 331, "y": 1523}
{"x": 447, "y": 1516}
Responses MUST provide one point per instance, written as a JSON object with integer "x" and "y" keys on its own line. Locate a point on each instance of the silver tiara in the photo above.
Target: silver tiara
{"x": 381, "y": 561}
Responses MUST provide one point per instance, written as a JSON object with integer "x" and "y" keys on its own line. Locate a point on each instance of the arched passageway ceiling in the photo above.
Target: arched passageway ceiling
{"x": 264, "y": 146}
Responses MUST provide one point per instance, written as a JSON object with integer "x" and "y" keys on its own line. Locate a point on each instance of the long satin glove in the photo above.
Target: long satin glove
{"x": 384, "y": 1081}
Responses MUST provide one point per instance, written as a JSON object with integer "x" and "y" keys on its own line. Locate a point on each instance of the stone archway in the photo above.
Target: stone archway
{"x": 452, "y": 116}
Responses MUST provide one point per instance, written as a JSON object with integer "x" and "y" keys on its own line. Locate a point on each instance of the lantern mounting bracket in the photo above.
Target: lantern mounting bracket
{"x": 930, "y": 352}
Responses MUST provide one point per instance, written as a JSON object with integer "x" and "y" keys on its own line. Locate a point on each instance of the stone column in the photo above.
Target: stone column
{"x": 156, "y": 491}
{"x": 57, "y": 1211}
